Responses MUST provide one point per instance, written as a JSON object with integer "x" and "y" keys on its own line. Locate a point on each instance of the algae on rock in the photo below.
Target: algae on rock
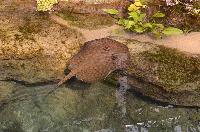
{"x": 164, "y": 74}
{"x": 87, "y": 21}
{"x": 34, "y": 49}
{"x": 174, "y": 67}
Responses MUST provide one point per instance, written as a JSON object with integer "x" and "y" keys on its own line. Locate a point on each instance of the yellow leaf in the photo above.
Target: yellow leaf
{"x": 138, "y": 3}
{"x": 133, "y": 7}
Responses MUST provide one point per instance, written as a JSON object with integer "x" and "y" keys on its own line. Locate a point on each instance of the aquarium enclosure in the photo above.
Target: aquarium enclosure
{"x": 99, "y": 66}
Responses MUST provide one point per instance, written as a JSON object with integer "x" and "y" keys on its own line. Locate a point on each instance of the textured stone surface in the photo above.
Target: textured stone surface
{"x": 91, "y": 7}
{"x": 164, "y": 74}
{"x": 32, "y": 48}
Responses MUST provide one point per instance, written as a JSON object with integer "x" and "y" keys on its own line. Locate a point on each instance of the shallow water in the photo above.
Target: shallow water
{"x": 89, "y": 108}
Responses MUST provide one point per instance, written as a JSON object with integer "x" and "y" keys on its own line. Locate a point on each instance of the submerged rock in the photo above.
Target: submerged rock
{"x": 92, "y": 109}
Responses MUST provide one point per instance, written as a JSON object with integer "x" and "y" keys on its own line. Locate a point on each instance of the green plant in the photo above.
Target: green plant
{"x": 138, "y": 22}
{"x": 46, "y": 5}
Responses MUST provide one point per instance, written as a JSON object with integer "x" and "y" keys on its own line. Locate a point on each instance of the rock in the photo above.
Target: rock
{"x": 32, "y": 48}
{"x": 6, "y": 91}
{"x": 86, "y": 21}
{"x": 91, "y": 7}
{"x": 164, "y": 74}
{"x": 38, "y": 113}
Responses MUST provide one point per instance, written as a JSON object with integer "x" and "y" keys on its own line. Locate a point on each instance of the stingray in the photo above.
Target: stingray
{"x": 97, "y": 59}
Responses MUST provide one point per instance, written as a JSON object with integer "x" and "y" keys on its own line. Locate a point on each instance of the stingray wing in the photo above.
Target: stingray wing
{"x": 95, "y": 70}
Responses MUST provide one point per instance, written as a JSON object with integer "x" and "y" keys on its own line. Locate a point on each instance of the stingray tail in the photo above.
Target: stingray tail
{"x": 65, "y": 79}
{"x": 60, "y": 83}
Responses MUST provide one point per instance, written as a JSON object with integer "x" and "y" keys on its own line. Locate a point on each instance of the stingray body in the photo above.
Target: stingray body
{"x": 97, "y": 59}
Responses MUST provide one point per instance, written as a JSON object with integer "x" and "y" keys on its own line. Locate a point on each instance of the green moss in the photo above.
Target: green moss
{"x": 29, "y": 28}
{"x": 88, "y": 21}
{"x": 174, "y": 68}
{"x": 111, "y": 80}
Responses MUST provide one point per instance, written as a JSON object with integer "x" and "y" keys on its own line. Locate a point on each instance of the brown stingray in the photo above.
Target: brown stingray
{"x": 97, "y": 59}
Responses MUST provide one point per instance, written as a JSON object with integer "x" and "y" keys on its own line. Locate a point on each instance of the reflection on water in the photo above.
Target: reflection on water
{"x": 121, "y": 93}
{"x": 92, "y": 109}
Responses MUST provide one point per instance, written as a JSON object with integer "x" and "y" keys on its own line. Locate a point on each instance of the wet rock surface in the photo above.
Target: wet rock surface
{"x": 33, "y": 48}
{"x": 163, "y": 73}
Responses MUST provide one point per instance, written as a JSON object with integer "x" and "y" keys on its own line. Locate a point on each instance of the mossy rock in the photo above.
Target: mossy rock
{"x": 175, "y": 68}
{"x": 164, "y": 74}
{"x": 88, "y": 21}
{"x": 32, "y": 48}
{"x": 91, "y": 7}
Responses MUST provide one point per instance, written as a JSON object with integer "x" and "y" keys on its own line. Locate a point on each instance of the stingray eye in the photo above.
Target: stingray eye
{"x": 106, "y": 48}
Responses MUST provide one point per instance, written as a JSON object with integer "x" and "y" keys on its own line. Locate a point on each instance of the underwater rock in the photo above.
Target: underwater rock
{"x": 97, "y": 59}
{"x": 92, "y": 109}
{"x": 31, "y": 111}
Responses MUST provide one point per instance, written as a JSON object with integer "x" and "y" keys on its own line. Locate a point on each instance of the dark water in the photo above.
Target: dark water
{"x": 84, "y": 108}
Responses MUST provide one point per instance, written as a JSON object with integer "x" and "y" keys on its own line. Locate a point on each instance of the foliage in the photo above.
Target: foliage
{"x": 111, "y": 11}
{"x": 191, "y": 8}
{"x": 183, "y": 14}
{"x": 46, "y": 5}
{"x": 138, "y": 22}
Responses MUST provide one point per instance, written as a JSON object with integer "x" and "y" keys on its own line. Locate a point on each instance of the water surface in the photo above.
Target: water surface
{"x": 89, "y": 108}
